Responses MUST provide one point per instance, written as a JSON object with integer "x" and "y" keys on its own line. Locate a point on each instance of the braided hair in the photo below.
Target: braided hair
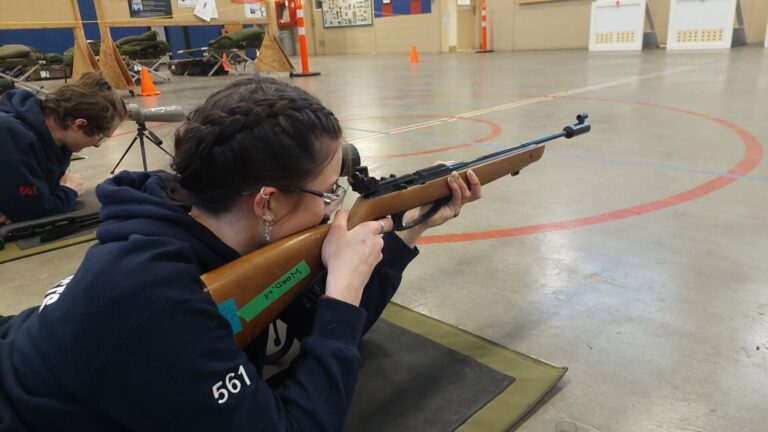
{"x": 254, "y": 132}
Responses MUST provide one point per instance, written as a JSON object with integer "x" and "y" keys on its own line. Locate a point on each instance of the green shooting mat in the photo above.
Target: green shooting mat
{"x": 421, "y": 374}
{"x": 87, "y": 206}
{"x": 14, "y": 251}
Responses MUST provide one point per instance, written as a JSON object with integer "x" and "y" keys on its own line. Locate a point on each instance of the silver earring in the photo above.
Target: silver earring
{"x": 267, "y": 228}
{"x": 268, "y": 219}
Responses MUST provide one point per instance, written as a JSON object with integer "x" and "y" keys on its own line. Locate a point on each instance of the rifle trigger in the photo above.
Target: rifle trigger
{"x": 278, "y": 341}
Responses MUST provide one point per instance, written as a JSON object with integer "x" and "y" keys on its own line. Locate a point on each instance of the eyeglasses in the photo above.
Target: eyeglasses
{"x": 332, "y": 199}
{"x": 101, "y": 138}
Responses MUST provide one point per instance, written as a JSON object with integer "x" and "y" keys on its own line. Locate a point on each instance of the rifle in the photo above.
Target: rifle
{"x": 49, "y": 228}
{"x": 253, "y": 290}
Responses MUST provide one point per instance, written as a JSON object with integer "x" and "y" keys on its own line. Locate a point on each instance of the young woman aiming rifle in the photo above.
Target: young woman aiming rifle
{"x": 133, "y": 342}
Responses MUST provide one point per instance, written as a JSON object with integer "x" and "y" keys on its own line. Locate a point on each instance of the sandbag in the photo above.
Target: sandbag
{"x": 37, "y": 54}
{"x": 150, "y": 36}
{"x": 15, "y": 51}
{"x": 145, "y": 50}
{"x": 26, "y": 61}
{"x": 54, "y": 59}
{"x": 69, "y": 54}
{"x": 246, "y": 38}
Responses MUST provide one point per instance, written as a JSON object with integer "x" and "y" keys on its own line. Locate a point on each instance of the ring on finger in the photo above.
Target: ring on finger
{"x": 383, "y": 228}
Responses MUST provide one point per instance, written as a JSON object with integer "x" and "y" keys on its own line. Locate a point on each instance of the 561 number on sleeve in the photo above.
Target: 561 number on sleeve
{"x": 230, "y": 384}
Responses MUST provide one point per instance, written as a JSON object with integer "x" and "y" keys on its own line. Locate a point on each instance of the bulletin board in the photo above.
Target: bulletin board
{"x": 47, "y": 14}
{"x": 347, "y": 13}
{"x": 701, "y": 24}
{"x": 617, "y": 26}
{"x": 117, "y": 13}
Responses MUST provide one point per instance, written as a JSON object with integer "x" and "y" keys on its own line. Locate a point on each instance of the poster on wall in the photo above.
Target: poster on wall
{"x": 388, "y": 8}
{"x": 150, "y": 8}
{"x": 255, "y": 10}
{"x": 347, "y": 13}
{"x": 206, "y": 10}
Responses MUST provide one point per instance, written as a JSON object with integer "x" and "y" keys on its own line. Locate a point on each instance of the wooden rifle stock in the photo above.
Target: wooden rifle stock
{"x": 253, "y": 290}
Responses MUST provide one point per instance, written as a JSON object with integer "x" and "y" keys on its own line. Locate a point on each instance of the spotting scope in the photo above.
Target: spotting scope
{"x": 167, "y": 114}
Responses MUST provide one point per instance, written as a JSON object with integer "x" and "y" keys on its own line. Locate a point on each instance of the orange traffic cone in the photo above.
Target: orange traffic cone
{"x": 414, "y": 54}
{"x": 147, "y": 86}
{"x": 224, "y": 62}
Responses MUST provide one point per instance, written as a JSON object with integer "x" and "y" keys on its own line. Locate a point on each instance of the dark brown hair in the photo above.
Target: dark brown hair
{"x": 90, "y": 98}
{"x": 254, "y": 132}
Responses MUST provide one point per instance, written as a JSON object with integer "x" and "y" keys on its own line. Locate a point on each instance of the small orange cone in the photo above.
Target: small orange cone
{"x": 224, "y": 63}
{"x": 414, "y": 54}
{"x": 147, "y": 86}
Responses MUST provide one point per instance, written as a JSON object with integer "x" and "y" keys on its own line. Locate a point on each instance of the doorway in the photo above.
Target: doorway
{"x": 467, "y": 19}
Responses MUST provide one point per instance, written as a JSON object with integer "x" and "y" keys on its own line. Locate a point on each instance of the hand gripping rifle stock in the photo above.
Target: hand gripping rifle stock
{"x": 253, "y": 290}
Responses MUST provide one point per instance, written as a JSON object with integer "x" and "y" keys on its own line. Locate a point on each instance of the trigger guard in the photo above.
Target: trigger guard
{"x": 397, "y": 218}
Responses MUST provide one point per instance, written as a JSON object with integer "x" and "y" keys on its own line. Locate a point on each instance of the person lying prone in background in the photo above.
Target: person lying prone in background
{"x": 38, "y": 137}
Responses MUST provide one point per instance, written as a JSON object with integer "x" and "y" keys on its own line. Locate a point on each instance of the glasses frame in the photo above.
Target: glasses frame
{"x": 332, "y": 200}
{"x": 102, "y": 137}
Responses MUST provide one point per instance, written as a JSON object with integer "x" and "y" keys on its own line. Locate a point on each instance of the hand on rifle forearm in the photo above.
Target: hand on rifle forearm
{"x": 351, "y": 255}
{"x": 462, "y": 194}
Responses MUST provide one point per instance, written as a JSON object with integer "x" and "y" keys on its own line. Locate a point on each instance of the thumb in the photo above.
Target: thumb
{"x": 340, "y": 220}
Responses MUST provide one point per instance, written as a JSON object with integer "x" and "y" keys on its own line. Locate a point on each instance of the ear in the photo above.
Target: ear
{"x": 260, "y": 204}
{"x": 80, "y": 123}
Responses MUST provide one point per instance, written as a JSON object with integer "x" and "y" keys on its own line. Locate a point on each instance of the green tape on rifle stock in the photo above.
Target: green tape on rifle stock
{"x": 274, "y": 291}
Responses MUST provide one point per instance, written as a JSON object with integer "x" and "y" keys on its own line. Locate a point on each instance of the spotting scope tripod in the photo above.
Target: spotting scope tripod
{"x": 141, "y": 116}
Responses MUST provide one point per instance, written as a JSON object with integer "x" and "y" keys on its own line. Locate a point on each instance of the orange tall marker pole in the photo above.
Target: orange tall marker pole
{"x": 484, "y": 28}
{"x": 302, "y": 43}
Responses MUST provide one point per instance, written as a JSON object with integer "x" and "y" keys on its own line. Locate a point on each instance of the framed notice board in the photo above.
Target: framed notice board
{"x": 150, "y": 8}
{"x": 347, "y": 13}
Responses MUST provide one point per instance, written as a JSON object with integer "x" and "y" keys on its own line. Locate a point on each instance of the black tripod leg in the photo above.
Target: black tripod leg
{"x": 149, "y": 137}
{"x": 123, "y": 156}
{"x": 165, "y": 151}
{"x": 143, "y": 152}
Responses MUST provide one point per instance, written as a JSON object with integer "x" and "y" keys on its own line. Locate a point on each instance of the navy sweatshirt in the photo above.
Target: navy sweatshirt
{"x": 132, "y": 342}
{"x": 31, "y": 164}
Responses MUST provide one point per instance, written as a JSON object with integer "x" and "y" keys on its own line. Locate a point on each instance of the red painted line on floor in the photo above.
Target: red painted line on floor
{"x": 495, "y": 132}
{"x": 753, "y": 155}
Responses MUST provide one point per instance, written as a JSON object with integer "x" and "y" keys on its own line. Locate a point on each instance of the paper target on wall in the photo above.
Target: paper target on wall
{"x": 703, "y": 24}
{"x": 617, "y": 25}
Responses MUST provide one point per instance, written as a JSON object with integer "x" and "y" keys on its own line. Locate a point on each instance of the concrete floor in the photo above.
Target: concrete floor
{"x": 636, "y": 255}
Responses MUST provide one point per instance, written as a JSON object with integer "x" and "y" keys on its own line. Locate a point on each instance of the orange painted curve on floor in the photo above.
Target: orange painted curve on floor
{"x": 753, "y": 155}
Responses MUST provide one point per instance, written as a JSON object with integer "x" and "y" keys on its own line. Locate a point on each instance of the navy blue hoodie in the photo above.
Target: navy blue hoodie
{"x": 132, "y": 342}
{"x": 31, "y": 164}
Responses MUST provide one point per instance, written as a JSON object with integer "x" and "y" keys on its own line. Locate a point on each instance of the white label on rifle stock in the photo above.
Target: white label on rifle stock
{"x": 274, "y": 291}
